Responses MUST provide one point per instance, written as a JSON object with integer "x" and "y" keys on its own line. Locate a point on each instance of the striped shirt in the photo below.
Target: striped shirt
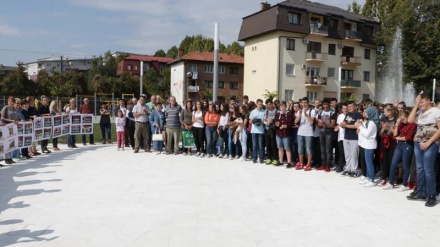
{"x": 172, "y": 116}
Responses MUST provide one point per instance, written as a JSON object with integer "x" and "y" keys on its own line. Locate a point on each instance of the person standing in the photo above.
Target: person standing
{"x": 212, "y": 119}
{"x": 120, "y": 129}
{"x": 105, "y": 123}
{"x": 86, "y": 108}
{"x": 43, "y": 110}
{"x": 141, "y": 115}
{"x": 367, "y": 140}
{"x": 172, "y": 126}
{"x": 71, "y": 109}
{"x": 186, "y": 121}
{"x": 426, "y": 147}
{"x": 351, "y": 148}
{"x": 54, "y": 111}
{"x": 130, "y": 124}
{"x": 199, "y": 129}
{"x": 257, "y": 131}
{"x": 305, "y": 119}
{"x": 10, "y": 114}
{"x": 283, "y": 126}
{"x": 157, "y": 123}
{"x": 341, "y": 133}
{"x": 326, "y": 124}
{"x": 270, "y": 133}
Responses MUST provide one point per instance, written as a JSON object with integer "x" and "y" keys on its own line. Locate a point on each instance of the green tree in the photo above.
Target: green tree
{"x": 355, "y": 7}
{"x": 17, "y": 83}
{"x": 173, "y": 52}
{"x": 160, "y": 53}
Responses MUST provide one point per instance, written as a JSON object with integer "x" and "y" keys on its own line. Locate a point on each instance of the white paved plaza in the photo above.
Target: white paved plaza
{"x": 96, "y": 196}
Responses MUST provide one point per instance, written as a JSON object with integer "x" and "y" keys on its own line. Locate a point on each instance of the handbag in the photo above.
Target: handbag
{"x": 157, "y": 136}
{"x": 188, "y": 139}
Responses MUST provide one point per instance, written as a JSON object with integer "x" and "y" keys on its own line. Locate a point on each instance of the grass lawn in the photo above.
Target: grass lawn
{"x": 96, "y": 134}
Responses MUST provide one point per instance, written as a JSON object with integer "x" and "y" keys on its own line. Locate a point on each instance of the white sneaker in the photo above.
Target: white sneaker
{"x": 237, "y": 157}
{"x": 198, "y": 154}
{"x": 231, "y": 158}
{"x": 242, "y": 159}
{"x": 226, "y": 157}
{"x": 403, "y": 188}
{"x": 362, "y": 178}
{"x": 388, "y": 186}
{"x": 369, "y": 184}
{"x": 202, "y": 155}
{"x": 365, "y": 181}
{"x": 220, "y": 156}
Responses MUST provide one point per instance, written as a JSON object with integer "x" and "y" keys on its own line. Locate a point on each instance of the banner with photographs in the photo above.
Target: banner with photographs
{"x": 25, "y": 132}
{"x": 47, "y": 127}
{"x": 81, "y": 124}
{"x": 57, "y": 125}
{"x": 8, "y": 138}
{"x": 38, "y": 129}
{"x": 65, "y": 128}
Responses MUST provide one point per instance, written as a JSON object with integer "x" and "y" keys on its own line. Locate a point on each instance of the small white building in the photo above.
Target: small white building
{"x": 59, "y": 64}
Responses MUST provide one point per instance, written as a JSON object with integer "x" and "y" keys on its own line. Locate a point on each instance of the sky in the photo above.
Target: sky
{"x": 31, "y": 29}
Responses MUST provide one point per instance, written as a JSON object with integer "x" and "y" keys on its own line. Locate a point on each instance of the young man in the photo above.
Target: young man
{"x": 43, "y": 110}
{"x": 256, "y": 117}
{"x": 283, "y": 125}
{"x": 351, "y": 148}
{"x": 305, "y": 120}
{"x": 86, "y": 108}
{"x": 326, "y": 124}
{"x": 269, "y": 133}
{"x": 340, "y": 138}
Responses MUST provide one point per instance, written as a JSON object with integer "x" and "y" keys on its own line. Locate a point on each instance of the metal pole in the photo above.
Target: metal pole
{"x": 215, "y": 79}
{"x": 141, "y": 79}
{"x": 433, "y": 90}
{"x": 95, "y": 107}
{"x": 339, "y": 84}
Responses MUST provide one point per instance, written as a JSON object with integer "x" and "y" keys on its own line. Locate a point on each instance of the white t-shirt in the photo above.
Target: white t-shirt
{"x": 428, "y": 117}
{"x": 367, "y": 136}
{"x": 341, "y": 131}
{"x": 305, "y": 127}
{"x": 224, "y": 120}
{"x": 198, "y": 117}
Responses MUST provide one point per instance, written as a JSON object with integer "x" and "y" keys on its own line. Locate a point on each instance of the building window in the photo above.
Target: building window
{"x": 221, "y": 69}
{"x": 208, "y": 69}
{"x": 162, "y": 69}
{"x": 367, "y": 53}
{"x": 314, "y": 47}
{"x": 288, "y": 95}
{"x": 365, "y": 96}
{"x": 294, "y": 18}
{"x": 312, "y": 71}
{"x": 192, "y": 68}
{"x": 135, "y": 67}
{"x": 312, "y": 96}
{"x": 290, "y": 69}
{"x": 366, "y": 75}
{"x": 233, "y": 71}
{"x": 290, "y": 45}
{"x": 221, "y": 84}
{"x": 333, "y": 24}
{"x": 346, "y": 74}
{"x": 331, "y": 72}
{"x": 233, "y": 85}
{"x": 128, "y": 67}
{"x": 208, "y": 84}
{"x": 332, "y": 49}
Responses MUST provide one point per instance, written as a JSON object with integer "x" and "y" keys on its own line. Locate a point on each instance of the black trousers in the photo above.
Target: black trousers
{"x": 131, "y": 128}
{"x": 271, "y": 144}
{"x": 387, "y": 158}
{"x": 44, "y": 144}
{"x": 199, "y": 138}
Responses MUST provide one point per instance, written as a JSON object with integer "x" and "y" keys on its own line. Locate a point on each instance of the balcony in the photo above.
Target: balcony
{"x": 351, "y": 61}
{"x": 316, "y": 57}
{"x": 193, "y": 89}
{"x": 353, "y": 35}
{"x": 318, "y": 30}
{"x": 315, "y": 81}
{"x": 350, "y": 84}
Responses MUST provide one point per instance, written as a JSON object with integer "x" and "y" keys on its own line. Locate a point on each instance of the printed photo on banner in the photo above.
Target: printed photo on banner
{"x": 56, "y": 131}
{"x": 38, "y": 134}
{"x": 28, "y": 128}
{"x": 65, "y": 129}
{"x": 25, "y": 132}
{"x": 20, "y": 128}
{"x": 28, "y": 141}
{"x": 47, "y": 132}
{"x": 47, "y": 121}
{"x": 20, "y": 142}
{"x": 2, "y": 148}
{"x": 75, "y": 129}
{"x": 87, "y": 129}
{"x": 76, "y": 118}
{"x": 38, "y": 123}
{"x": 66, "y": 119}
{"x": 87, "y": 119}
{"x": 57, "y": 121}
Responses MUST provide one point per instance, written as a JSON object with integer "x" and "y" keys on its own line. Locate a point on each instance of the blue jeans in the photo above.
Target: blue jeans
{"x": 71, "y": 139}
{"x": 210, "y": 137}
{"x": 403, "y": 152}
{"x": 305, "y": 142}
{"x": 257, "y": 146}
{"x": 231, "y": 144}
{"x": 107, "y": 128}
{"x": 369, "y": 154}
{"x": 243, "y": 142}
{"x": 158, "y": 146}
{"x": 425, "y": 162}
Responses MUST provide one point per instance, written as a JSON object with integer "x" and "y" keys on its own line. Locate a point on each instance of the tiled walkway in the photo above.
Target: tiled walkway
{"x": 96, "y": 196}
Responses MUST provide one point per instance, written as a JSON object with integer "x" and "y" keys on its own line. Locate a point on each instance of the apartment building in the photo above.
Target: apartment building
{"x": 58, "y": 64}
{"x": 301, "y": 48}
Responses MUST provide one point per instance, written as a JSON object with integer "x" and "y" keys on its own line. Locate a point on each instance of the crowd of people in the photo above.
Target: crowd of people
{"x": 385, "y": 145}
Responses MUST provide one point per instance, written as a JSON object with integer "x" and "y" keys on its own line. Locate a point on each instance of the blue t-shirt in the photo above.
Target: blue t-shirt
{"x": 351, "y": 118}
{"x": 257, "y": 114}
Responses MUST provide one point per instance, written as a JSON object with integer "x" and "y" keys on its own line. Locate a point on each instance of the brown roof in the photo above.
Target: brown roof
{"x": 149, "y": 58}
{"x": 209, "y": 57}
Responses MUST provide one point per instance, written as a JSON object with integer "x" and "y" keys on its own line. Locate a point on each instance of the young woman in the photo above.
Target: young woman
{"x": 283, "y": 124}
{"x": 222, "y": 131}
{"x": 241, "y": 132}
{"x": 33, "y": 112}
{"x": 212, "y": 119}
{"x": 199, "y": 129}
{"x": 367, "y": 132}
{"x": 157, "y": 123}
{"x": 120, "y": 130}
{"x": 294, "y": 112}
{"x": 105, "y": 123}
{"x": 426, "y": 148}
{"x": 234, "y": 111}
{"x": 10, "y": 114}
{"x": 186, "y": 121}
{"x": 71, "y": 109}
{"x": 54, "y": 110}
{"x": 404, "y": 133}
{"x": 26, "y": 117}
{"x": 388, "y": 142}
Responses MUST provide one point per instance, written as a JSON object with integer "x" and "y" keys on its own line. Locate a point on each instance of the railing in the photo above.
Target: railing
{"x": 351, "y": 60}
{"x": 353, "y": 35}
{"x": 316, "y": 80}
{"x": 193, "y": 89}
{"x": 318, "y": 29}
{"x": 350, "y": 83}
{"x": 316, "y": 56}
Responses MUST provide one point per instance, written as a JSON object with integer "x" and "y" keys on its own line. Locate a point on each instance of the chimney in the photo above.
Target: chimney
{"x": 179, "y": 53}
{"x": 264, "y": 6}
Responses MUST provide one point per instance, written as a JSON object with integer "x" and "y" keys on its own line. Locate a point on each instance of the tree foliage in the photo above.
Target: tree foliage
{"x": 160, "y": 53}
{"x": 355, "y": 7}
{"x": 17, "y": 83}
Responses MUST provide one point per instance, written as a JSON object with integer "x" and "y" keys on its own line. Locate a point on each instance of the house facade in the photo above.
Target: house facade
{"x": 132, "y": 64}
{"x": 301, "y": 48}
{"x": 192, "y": 76}
{"x": 58, "y": 64}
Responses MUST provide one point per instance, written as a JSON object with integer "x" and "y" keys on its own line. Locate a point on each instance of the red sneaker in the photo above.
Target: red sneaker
{"x": 327, "y": 169}
{"x": 320, "y": 168}
{"x": 410, "y": 185}
{"x": 308, "y": 168}
{"x": 299, "y": 166}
